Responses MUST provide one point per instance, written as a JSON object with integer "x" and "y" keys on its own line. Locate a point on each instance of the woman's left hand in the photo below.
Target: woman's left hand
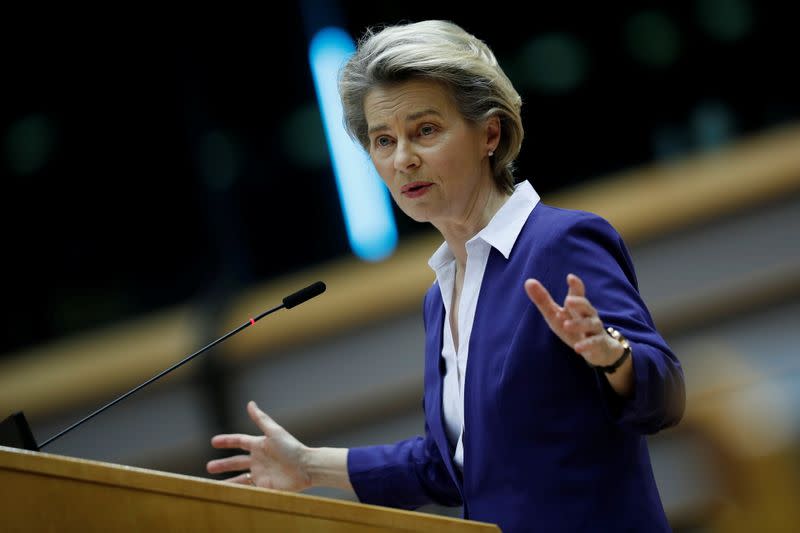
{"x": 576, "y": 322}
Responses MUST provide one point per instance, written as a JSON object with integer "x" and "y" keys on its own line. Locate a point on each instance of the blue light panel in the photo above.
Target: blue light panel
{"x": 365, "y": 201}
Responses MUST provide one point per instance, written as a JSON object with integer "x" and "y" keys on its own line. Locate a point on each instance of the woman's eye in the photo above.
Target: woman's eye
{"x": 382, "y": 141}
{"x": 427, "y": 129}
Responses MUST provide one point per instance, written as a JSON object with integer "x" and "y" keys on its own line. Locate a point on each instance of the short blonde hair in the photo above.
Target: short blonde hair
{"x": 443, "y": 52}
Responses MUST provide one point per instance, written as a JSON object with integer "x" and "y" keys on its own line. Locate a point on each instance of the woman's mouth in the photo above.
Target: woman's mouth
{"x": 415, "y": 189}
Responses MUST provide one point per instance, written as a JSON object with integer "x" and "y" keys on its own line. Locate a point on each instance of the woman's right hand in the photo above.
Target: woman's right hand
{"x": 274, "y": 460}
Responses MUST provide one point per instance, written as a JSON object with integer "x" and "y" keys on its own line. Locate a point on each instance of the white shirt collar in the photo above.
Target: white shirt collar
{"x": 502, "y": 230}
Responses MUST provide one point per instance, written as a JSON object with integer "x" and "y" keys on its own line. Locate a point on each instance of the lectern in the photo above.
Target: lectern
{"x": 44, "y": 492}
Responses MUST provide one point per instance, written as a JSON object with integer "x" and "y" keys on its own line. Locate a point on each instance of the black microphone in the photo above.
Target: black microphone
{"x": 20, "y": 433}
{"x": 315, "y": 289}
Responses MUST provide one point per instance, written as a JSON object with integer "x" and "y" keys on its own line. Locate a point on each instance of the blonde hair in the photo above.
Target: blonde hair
{"x": 443, "y": 52}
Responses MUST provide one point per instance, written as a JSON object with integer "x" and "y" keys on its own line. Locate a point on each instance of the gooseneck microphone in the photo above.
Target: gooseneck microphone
{"x": 293, "y": 300}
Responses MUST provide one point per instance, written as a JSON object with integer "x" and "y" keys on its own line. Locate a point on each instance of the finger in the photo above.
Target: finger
{"x": 584, "y": 326}
{"x": 576, "y": 287}
{"x": 266, "y": 424}
{"x": 238, "y": 440}
{"x": 579, "y": 307}
{"x": 591, "y": 345}
{"x": 229, "y": 464}
{"x": 539, "y": 295}
{"x": 241, "y": 479}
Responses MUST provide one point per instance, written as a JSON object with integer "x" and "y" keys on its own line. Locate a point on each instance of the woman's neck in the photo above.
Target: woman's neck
{"x": 457, "y": 233}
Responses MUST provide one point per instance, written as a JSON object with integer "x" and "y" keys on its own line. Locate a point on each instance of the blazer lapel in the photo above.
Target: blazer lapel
{"x": 434, "y": 376}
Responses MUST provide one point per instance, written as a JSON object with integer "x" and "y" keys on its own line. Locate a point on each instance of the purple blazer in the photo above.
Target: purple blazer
{"x": 548, "y": 445}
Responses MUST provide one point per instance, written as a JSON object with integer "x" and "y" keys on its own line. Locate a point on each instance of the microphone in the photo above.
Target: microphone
{"x": 315, "y": 289}
{"x": 15, "y": 431}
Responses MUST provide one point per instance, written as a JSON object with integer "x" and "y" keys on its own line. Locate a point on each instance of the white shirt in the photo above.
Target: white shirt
{"x": 501, "y": 233}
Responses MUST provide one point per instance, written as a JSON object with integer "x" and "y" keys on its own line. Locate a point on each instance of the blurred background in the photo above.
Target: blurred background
{"x": 166, "y": 178}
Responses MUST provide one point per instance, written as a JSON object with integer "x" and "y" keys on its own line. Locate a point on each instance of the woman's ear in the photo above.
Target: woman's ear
{"x": 492, "y": 129}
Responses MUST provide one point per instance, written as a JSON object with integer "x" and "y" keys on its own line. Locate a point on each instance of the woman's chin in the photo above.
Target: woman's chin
{"x": 418, "y": 215}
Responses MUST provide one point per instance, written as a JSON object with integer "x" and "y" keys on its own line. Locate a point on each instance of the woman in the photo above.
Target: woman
{"x": 546, "y": 429}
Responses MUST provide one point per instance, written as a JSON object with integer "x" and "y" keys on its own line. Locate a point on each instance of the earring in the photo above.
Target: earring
{"x": 491, "y": 153}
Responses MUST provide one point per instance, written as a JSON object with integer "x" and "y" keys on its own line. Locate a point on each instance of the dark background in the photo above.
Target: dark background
{"x": 151, "y": 160}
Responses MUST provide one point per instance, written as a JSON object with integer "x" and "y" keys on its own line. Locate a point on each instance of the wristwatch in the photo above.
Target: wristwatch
{"x": 610, "y": 369}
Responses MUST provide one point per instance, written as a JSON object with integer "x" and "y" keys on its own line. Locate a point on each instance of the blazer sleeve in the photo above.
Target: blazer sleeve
{"x": 592, "y": 249}
{"x": 406, "y": 475}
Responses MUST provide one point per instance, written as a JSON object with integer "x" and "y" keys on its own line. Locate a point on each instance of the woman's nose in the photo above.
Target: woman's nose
{"x": 405, "y": 157}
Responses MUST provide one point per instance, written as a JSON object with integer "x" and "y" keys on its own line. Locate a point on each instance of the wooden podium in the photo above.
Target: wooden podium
{"x": 44, "y": 492}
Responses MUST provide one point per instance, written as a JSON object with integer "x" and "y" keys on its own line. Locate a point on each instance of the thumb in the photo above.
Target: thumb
{"x": 266, "y": 424}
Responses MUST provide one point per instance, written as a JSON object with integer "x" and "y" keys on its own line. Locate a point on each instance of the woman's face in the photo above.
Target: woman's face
{"x": 434, "y": 162}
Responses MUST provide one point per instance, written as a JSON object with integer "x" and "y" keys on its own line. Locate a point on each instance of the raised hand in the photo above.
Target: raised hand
{"x": 576, "y": 322}
{"x": 274, "y": 460}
